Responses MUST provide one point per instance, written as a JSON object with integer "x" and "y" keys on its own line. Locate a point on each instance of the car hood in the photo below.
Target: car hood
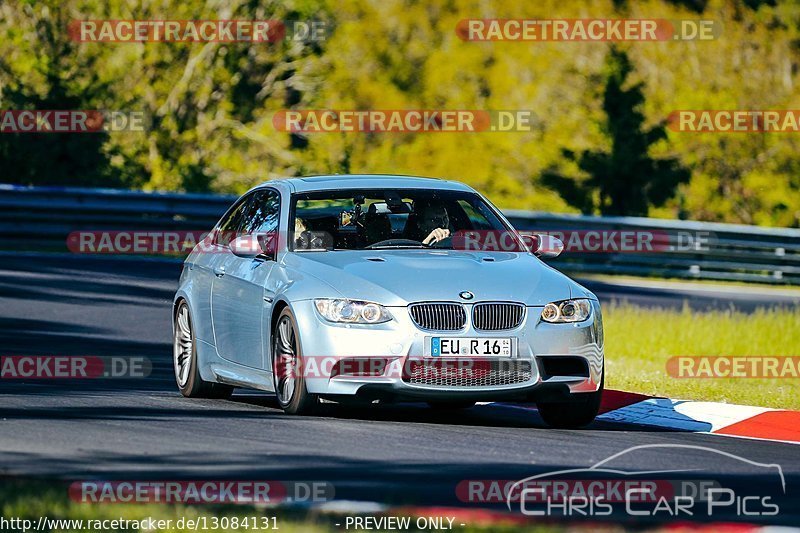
{"x": 400, "y": 277}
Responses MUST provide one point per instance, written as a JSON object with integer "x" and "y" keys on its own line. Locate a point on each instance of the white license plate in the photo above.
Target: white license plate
{"x": 471, "y": 347}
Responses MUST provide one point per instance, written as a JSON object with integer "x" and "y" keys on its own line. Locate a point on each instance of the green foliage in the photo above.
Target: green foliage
{"x": 208, "y": 103}
{"x": 53, "y": 159}
{"x": 626, "y": 180}
{"x": 211, "y": 104}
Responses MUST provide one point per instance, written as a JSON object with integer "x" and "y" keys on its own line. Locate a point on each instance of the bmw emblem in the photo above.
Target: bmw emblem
{"x": 466, "y": 295}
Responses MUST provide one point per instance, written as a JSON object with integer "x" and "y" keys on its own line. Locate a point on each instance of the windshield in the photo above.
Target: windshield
{"x": 383, "y": 219}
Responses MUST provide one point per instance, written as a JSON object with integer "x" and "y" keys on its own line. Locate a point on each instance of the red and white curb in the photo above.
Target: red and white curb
{"x": 699, "y": 417}
{"x": 702, "y": 417}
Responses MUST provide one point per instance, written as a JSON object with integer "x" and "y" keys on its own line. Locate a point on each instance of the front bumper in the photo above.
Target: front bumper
{"x": 401, "y": 344}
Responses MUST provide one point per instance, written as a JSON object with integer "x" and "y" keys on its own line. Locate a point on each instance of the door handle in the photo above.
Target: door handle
{"x": 219, "y": 271}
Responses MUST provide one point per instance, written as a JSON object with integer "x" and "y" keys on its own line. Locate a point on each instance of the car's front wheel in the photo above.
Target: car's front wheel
{"x": 184, "y": 359}
{"x": 287, "y": 368}
{"x": 573, "y": 414}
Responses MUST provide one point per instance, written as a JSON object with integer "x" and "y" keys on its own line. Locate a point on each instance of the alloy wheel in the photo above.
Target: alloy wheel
{"x": 183, "y": 346}
{"x": 285, "y": 361}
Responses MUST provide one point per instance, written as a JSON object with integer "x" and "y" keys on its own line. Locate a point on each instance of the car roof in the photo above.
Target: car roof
{"x": 365, "y": 181}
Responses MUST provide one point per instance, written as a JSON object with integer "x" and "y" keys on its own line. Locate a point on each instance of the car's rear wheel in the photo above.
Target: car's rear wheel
{"x": 287, "y": 364}
{"x": 572, "y": 414}
{"x": 187, "y": 374}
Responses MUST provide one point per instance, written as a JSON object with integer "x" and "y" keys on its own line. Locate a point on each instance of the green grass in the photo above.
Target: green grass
{"x": 640, "y": 340}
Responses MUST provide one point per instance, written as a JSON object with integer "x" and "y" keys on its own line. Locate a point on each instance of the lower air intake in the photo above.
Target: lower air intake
{"x": 467, "y": 373}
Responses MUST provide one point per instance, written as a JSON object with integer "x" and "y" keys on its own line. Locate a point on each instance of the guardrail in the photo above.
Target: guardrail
{"x": 694, "y": 250}
{"x": 41, "y": 218}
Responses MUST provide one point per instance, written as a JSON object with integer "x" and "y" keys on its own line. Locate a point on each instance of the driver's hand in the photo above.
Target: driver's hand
{"x": 436, "y": 235}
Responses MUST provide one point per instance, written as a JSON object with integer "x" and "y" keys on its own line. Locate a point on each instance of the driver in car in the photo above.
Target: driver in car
{"x": 434, "y": 221}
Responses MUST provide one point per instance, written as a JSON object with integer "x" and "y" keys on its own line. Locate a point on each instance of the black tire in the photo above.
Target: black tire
{"x": 451, "y": 405}
{"x": 191, "y": 384}
{"x": 573, "y": 414}
{"x": 299, "y": 401}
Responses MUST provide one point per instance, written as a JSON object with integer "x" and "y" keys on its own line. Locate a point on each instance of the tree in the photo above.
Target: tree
{"x": 208, "y": 105}
{"x": 33, "y": 78}
{"x": 626, "y": 180}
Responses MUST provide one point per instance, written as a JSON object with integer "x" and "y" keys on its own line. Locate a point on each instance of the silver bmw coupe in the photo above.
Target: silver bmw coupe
{"x": 384, "y": 288}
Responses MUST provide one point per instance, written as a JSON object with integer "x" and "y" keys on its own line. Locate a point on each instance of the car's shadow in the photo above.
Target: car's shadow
{"x": 484, "y": 415}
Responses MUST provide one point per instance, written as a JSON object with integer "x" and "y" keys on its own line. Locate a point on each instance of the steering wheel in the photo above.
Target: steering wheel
{"x": 447, "y": 242}
{"x": 394, "y": 242}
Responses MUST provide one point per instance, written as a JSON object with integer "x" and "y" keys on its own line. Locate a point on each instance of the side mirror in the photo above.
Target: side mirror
{"x": 548, "y": 246}
{"x": 246, "y": 246}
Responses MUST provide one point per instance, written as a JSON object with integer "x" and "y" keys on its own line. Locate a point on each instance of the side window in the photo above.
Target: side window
{"x": 263, "y": 214}
{"x": 231, "y": 225}
{"x": 262, "y": 220}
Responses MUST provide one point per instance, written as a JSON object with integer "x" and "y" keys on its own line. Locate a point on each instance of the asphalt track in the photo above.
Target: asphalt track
{"x": 397, "y": 454}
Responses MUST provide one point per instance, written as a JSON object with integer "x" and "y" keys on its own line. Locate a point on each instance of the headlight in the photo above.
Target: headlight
{"x": 352, "y": 311}
{"x": 567, "y": 311}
